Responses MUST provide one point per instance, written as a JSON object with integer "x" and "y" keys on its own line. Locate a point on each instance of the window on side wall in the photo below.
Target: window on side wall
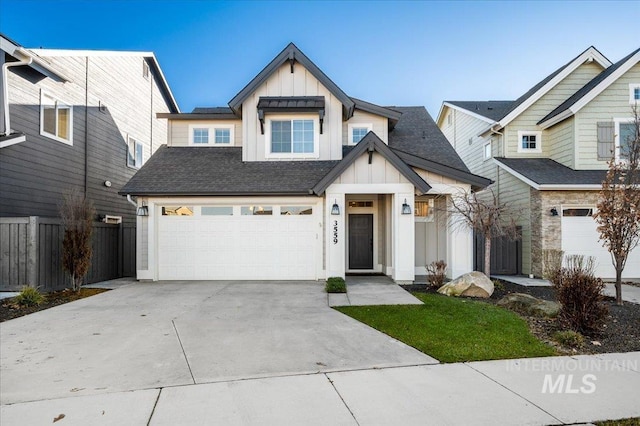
{"x": 529, "y": 142}
{"x": 56, "y": 119}
{"x": 626, "y": 134}
{"x": 424, "y": 210}
{"x": 292, "y": 137}
{"x": 134, "y": 153}
{"x": 357, "y": 132}
{"x": 486, "y": 151}
{"x": 634, "y": 93}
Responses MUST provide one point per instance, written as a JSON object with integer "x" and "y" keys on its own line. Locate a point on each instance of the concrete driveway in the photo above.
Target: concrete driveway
{"x": 157, "y": 335}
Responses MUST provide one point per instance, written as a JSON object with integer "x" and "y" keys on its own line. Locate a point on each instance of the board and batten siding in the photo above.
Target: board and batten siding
{"x": 299, "y": 83}
{"x": 380, "y": 126}
{"x": 527, "y": 121}
{"x": 111, "y": 100}
{"x": 378, "y": 172}
{"x": 179, "y": 130}
{"x": 612, "y": 103}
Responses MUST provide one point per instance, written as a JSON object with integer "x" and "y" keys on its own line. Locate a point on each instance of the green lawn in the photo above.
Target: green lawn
{"x": 453, "y": 329}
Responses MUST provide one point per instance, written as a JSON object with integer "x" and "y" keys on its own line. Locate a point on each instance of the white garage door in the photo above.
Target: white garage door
{"x": 580, "y": 236}
{"x": 268, "y": 242}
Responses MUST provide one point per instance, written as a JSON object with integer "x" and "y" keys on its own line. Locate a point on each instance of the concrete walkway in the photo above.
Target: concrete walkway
{"x": 372, "y": 290}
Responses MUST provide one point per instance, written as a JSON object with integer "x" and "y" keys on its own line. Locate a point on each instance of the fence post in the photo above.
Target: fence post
{"x": 32, "y": 251}
{"x": 120, "y": 249}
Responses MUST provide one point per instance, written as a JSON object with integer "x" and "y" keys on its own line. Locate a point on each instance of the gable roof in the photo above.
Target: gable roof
{"x": 590, "y": 90}
{"x": 542, "y": 87}
{"x": 545, "y": 173}
{"x": 371, "y": 143}
{"x": 201, "y": 113}
{"x": 389, "y": 112}
{"x": 37, "y": 63}
{"x": 292, "y": 54}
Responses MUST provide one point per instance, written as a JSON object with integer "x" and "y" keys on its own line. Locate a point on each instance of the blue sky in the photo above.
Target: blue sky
{"x": 389, "y": 53}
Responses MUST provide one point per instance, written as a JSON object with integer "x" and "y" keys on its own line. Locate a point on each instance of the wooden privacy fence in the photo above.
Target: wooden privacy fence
{"x": 31, "y": 253}
{"x": 506, "y": 255}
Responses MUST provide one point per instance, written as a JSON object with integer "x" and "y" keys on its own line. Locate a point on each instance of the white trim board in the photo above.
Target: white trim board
{"x": 466, "y": 111}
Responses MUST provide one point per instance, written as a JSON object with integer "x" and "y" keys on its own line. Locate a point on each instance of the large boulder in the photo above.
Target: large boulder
{"x": 473, "y": 284}
{"x": 530, "y": 305}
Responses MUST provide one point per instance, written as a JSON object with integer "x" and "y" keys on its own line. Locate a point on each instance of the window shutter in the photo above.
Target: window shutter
{"x": 605, "y": 140}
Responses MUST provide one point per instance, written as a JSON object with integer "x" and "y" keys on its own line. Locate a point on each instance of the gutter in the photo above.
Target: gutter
{"x": 5, "y": 90}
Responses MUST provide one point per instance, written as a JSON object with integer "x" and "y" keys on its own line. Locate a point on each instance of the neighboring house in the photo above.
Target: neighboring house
{"x": 297, "y": 180}
{"x": 548, "y": 150}
{"x": 71, "y": 119}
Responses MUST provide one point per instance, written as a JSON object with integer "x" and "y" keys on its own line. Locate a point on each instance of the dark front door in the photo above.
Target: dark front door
{"x": 360, "y": 241}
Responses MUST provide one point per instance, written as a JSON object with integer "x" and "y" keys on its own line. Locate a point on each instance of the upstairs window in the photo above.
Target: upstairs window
{"x": 56, "y": 119}
{"x": 634, "y": 93}
{"x": 487, "y": 154}
{"x": 295, "y": 136}
{"x": 134, "y": 154}
{"x": 213, "y": 134}
{"x": 200, "y": 136}
{"x": 529, "y": 142}
{"x": 627, "y": 134}
{"x": 223, "y": 136}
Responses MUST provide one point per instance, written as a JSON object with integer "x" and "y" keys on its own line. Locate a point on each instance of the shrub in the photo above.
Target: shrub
{"x": 580, "y": 294}
{"x": 336, "y": 285}
{"x": 569, "y": 338}
{"x": 498, "y": 285}
{"x": 551, "y": 263}
{"x": 29, "y": 296}
{"x": 436, "y": 273}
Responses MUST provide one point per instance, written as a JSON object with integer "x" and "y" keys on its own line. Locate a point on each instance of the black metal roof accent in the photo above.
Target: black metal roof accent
{"x": 277, "y": 104}
{"x": 292, "y": 52}
{"x": 370, "y": 143}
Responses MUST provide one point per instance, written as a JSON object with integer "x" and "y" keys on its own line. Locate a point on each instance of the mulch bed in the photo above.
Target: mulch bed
{"x": 621, "y": 332}
{"x": 10, "y": 310}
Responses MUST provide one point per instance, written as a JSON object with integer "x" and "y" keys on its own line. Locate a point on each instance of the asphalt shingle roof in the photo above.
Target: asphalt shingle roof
{"x": 493, "y": 110}
{"x": 545, "y": 171}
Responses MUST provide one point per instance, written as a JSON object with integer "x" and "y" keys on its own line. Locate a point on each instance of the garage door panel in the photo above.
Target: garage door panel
{"x": 237, "y": 247}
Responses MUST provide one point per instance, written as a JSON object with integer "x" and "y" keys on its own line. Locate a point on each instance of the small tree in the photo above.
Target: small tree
{"x": 77, "y": 217}
{"x": 618, "y": 214}
{"x": 488, "y": 216}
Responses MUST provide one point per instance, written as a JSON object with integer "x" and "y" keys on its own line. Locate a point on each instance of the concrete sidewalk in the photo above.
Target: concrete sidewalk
{"x": 367, "y": 290}
{"x": 537, "y": 391}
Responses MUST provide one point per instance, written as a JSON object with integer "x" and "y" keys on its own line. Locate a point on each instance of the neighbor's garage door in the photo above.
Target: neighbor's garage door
{"x": 268, "y": 242}
{"x": 580, "y": 236}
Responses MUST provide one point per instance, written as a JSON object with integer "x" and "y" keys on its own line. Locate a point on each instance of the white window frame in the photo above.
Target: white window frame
{"x": 316, "y": 136}
{"x": 486, "y": 157}
{"x": 212, "y": 134}
{"x": 632, "y": 88}
{"x": 616, "y": 136}
{"x": 54, "y": 101}
{"x": 537, "y": 134}
{"x": 135, "y": 146}
{"x": 352, "y": 126}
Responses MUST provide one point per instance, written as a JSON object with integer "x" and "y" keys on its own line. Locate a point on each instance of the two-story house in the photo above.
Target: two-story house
{"x": 293, "y": 180}
{"x": 72, "y": 119}
{"x": 547, "y": 152}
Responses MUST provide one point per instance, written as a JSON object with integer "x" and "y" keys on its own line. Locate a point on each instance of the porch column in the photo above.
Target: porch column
{"x": 335, "y": 235}
{"x": 403, "y": 239}
{"x": 459, "y": 245}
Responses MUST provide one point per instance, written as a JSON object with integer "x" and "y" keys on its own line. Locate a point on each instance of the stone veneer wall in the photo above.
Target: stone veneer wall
{"x": 546, "y": 230}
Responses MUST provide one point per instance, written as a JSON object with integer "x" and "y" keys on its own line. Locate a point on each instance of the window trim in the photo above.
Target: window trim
{"x": 616, "y": 135}
{"x": 431, "y": 203}
{"x": 484, "y": 151}
{"x": 632, "y": 88}
{"x": 55, "y": 101}
{"x": 291, "y": 117}
{"x": 351, "y": 126}
{"x": 136, "y": 144}
{"x": 537, "y": 134}
{"x": 212, "y": 134}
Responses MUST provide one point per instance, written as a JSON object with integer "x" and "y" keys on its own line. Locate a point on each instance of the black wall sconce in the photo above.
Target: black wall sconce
{"x": 335, "y": 209}
{"x": 553, "y": 211}
{"x": 406, "y": 208}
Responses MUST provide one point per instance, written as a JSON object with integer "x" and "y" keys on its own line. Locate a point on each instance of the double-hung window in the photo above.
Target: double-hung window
{"x": 634, "y": 93}
{"x": 529, "y": 141}
{"x": 134, "y": 153}
{"x": 56, "y": 119}
{"x": 625, "y": 133}
{"x": 292, "y": 136}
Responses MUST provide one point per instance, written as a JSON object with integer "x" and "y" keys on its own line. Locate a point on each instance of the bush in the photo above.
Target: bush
{"x": 498, "y": 286}
{"x": 336, "y": 285}
{"x": 580, "y": 294}
{"x": 436, "y": 273}
{"x": 29, "y": 296}
{"x": 551, "y": 263}
{"x": 569, "y": 338}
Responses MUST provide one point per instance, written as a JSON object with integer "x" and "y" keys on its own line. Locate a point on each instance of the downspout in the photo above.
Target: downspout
{"x": 5, "y": 94}
{"x": 86, "y": 128}
{"x": 133, "y": 203}
{"x": 501, "y": 152}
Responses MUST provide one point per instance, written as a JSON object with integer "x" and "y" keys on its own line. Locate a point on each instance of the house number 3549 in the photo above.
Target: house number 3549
{"x": 335, "y": 232}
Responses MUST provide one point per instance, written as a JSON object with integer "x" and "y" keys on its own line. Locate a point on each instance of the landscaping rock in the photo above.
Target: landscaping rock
{"x": 530, "y": 305}
{"x": 473, "y": 284}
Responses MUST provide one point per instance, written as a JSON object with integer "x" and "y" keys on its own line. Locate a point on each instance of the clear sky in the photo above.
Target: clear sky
{"x": 389, "y": 53}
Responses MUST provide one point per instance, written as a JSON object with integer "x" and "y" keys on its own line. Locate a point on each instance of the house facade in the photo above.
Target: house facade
{"x": 547, "y": 152}
{"x": 71, "y": 119}
{"x": 296, "y": 180}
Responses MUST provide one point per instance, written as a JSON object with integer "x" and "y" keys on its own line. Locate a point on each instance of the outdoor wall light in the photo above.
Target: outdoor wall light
{"x": 406, "y": 208}
{"x": 335, "y": 209}
{"x": 553, "y": 211}
{"x": 142, "y": 211}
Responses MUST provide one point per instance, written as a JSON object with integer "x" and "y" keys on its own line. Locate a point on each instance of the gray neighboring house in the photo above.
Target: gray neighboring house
{"x": 78, "y": 119}
{"x": 294, "y": 179}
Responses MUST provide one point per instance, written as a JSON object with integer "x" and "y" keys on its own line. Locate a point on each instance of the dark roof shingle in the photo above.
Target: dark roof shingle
{"x": 493, "y": 110}
{"x": 545, "y": 171}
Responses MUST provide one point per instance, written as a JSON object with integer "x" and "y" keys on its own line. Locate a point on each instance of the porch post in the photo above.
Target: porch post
{"x": 459, "y": 245}
{"x": 335, "y": 235}
{"x": 403, "y": 239}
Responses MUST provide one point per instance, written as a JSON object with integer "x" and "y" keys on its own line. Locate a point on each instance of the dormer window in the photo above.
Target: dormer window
{"x": 529, "y": 142}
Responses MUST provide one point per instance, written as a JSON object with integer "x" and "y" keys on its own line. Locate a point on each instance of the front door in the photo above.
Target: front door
{"x": 360, "y": 241}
